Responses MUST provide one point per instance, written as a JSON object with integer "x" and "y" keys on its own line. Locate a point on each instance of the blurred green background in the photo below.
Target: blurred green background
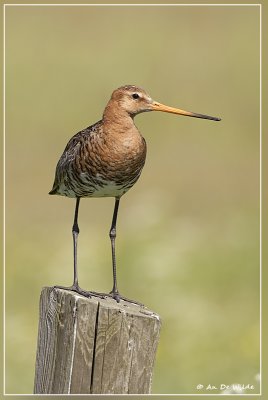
{"x": 188, "y": 232}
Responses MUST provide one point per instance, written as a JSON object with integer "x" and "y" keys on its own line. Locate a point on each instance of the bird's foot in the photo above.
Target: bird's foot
{"x": 75, "y": 288}
{"x": 113, "y": 294}
{"x": 117, "y": 297}
{"x": 98, "y": 294}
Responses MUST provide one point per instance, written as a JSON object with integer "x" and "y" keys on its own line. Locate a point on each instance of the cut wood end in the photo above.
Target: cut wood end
{"x": 108, "y": 302}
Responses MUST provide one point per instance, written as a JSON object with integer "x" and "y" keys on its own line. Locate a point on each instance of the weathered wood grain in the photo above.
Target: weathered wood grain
{"x": 94, "y": 345}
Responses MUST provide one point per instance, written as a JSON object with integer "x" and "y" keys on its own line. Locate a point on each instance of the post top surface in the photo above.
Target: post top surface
{"x": 109, "y": 303}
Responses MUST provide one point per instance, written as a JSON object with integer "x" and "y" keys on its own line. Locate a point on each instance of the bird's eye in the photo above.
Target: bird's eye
{"x": 135, "y": 96}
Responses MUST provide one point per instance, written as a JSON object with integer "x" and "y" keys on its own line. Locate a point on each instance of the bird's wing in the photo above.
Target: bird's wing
{"x": 69, "y": 154}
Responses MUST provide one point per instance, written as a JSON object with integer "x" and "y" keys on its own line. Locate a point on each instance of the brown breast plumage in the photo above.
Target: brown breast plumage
{"x": 103, "y": 160}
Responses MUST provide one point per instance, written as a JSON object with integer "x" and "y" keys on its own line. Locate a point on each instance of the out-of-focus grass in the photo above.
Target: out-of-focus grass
{"x": 188, "y": 242}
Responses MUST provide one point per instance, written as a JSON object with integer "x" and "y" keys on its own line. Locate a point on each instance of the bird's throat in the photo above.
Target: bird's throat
{"x": 115, "y": 115}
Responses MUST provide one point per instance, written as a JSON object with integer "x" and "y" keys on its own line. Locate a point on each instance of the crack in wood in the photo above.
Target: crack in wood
{"x": 94, "y": 347}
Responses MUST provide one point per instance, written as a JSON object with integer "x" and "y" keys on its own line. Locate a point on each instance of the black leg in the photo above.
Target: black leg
{"x": 114, "y": 291}
{"x": 75, "y": 232}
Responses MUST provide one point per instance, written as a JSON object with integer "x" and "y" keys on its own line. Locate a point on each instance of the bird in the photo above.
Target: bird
{"x": 105, "y": 160}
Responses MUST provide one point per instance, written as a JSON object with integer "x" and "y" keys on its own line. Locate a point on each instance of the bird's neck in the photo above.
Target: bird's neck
{"x": 115, "y": 116}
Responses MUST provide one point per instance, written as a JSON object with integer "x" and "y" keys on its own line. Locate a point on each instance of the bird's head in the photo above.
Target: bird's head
{"x": 132, "y": 99}
{"x": 135, "y": 100}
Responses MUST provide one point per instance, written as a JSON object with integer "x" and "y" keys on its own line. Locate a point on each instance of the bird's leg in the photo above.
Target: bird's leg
{"x": 115, "y": 294}
{"x": 75, "y": 232}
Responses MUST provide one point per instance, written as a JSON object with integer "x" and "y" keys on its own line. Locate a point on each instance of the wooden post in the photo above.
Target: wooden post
{"x": 94, "y": 345}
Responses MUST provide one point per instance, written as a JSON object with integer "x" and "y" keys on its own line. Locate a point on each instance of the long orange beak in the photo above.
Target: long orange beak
{"x": 155, "y": 106}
